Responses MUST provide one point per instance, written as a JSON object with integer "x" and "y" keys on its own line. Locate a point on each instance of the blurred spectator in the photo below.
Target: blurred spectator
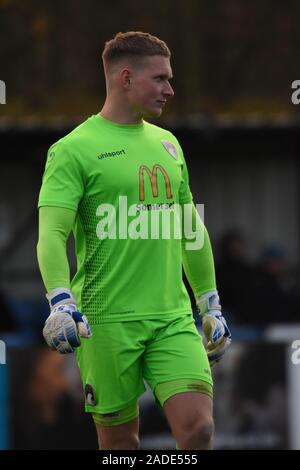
{"x": 7, "y": 323}
{"x": 233, "y": 273}
{"x": 44, "y": 413}
{"x": 270, "y": 300}
{"x": 260, "y": 404}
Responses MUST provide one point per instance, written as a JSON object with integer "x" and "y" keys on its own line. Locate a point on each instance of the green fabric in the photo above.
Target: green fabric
{"x": 119, "y": 416}
{"x": 118, "y": 357}
{"x": 199, "y": 264}
{"x": 55, "y": 225}
{"x": 167, "y": 390}
{"x": 118, "y": 279}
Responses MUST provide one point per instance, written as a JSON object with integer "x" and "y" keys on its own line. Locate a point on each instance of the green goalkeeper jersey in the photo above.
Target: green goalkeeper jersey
{"x": 122, "y": 180}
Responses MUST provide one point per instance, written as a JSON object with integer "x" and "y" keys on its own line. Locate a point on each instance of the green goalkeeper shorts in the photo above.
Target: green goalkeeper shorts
{"x": 167, "y": 353}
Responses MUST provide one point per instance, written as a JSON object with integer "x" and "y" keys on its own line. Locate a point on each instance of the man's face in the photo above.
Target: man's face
{"x": 150, "y": 86}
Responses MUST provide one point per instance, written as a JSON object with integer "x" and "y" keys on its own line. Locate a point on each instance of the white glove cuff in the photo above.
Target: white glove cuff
{"x": 60, "y": 296}
{"x": 208, "y": 302}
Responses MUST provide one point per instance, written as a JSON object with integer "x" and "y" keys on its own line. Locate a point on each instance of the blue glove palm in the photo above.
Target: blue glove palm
{"x": 65, "y": 324}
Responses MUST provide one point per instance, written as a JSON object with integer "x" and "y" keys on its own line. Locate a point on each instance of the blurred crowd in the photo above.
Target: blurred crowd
{"x": 46, "y": 402}
{"x": 257, "y": 293}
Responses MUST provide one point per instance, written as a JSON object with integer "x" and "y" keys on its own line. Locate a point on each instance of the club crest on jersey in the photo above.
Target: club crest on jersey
{"x": 90, "y": 396}
{"x": 170, "y": 148}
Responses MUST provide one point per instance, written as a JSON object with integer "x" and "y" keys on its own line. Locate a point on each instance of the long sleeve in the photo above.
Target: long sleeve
{"x": 55, "y": 225}
{"x": 198, "y": 263}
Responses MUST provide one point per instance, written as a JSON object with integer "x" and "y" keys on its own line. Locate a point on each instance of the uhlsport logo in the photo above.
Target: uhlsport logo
{"x": 116, "y": 153}
{"x": 153, "y": 180}
{"x": 2, "y": 92}
{"x": 2, "y": 353}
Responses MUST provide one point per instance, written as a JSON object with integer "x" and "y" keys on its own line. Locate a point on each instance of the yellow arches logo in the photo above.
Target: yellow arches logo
{"x": 153, "y": 180}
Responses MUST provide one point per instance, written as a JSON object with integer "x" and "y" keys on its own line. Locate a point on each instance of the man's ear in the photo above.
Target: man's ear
{"x": 125, "y": 78}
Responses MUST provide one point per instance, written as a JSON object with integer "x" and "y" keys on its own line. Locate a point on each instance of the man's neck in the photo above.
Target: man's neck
{"x": 119, "y": 114}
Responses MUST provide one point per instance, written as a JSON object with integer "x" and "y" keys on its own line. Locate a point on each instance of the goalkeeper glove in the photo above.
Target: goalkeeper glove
{"x": 65, "y": 324}
{"x": 214, "y": 326}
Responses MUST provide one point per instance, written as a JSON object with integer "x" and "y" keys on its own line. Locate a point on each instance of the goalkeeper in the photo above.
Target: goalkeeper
{"x": 126, "y": 313}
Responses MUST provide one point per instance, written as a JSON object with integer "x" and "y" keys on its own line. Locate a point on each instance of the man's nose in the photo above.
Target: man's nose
{"x": 168, "y": 91}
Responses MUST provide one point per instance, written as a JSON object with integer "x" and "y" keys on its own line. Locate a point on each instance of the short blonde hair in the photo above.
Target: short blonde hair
{"x": 133, "y": 44}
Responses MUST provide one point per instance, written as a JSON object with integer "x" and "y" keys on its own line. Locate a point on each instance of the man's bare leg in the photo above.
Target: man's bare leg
{"x": 190, "y": 417}
{"x": 120, "y": 437}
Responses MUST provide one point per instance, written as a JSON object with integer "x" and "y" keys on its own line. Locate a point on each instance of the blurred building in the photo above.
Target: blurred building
{"x": 228, "y": 57}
